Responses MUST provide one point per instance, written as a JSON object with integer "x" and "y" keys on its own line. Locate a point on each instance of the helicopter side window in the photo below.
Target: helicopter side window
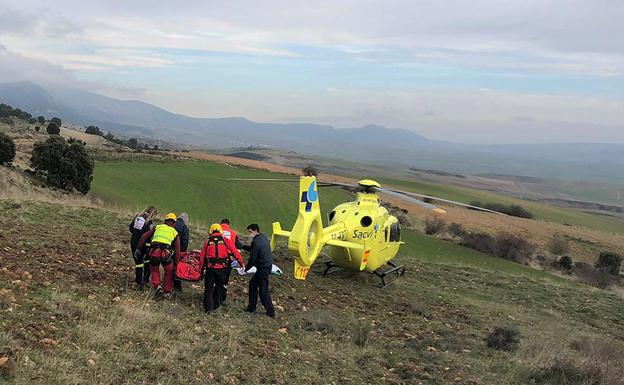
{"x": 395, "y": 232}
{"x": 331, "y": 215}
{"x": 366, "y": 221}
{"x": 386, "y": 234}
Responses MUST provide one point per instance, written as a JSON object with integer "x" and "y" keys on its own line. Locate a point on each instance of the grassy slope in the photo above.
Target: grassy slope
{"x": 68, "y": 281}
{"x": 541, "y": 211}
{"x": 198, "y": 188}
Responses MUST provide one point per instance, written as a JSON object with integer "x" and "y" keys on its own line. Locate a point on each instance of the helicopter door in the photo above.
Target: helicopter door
{"x": 395, "y": 232}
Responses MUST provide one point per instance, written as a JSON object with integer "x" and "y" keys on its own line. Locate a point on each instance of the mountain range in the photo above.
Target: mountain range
{"x": 371, "y": 144}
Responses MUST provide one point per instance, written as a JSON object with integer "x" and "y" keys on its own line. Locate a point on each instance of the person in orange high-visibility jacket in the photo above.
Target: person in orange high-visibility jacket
{"x": 232, "y": 235}
{"x": 217, "y": 251}
{"x": 163, "y": 239}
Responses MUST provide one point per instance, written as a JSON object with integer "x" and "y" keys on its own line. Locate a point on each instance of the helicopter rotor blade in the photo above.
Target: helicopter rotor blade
{"x": 261, "y": 180}
{"x": 405, "y": 195}
{"x": 408, "y": 193}
{"x": 410, "y": 199}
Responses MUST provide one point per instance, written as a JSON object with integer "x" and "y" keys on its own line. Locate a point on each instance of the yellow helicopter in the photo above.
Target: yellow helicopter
{"x": 362, "y": 235}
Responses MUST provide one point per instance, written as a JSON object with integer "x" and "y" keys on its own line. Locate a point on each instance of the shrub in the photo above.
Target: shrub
{"x": 7, "y": 149}
{"x": 503, "y": 338}
{"x": 94, "y": 130}
{"x": 558, "y": 245}
{"x": 482, "y": 242}
{"x": 32, "y": 121}
{"x": 591, "y": 361}
{"x": 56, "y": 121}
{"x": 600, "y": 278}
{"x": 53, "y": 129}
{"x": 361, "y": 333}
{"x": 513, "y": 210}
{"x": 565, "y": 263}
{"x": 133, "y": 143}
{"x": 309, "y": 170}
{"x": 41, "y": 119}
{"x": 609, "y": 261}
{"x": 434, "y": 225}
{"x": 63, "y": 165}
{"x": 37, "y": 128}
{"x": 513, "y": 247}
{"x": 457, "y": 229}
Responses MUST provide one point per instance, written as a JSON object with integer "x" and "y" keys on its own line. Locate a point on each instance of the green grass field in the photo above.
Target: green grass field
{"x": 541, "y": 211}
{"x": 75, "y": 319}
{"x": 200, "y": 188}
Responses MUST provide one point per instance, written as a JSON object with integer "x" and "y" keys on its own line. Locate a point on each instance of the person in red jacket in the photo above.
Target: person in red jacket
{"x": 217, "y": 251}
{"x": 232, "y": 235}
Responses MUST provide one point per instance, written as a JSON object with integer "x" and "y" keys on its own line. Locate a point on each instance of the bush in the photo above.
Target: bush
{"x": 559, "y": 245}
{"x": 133, "y": 143}
{"x": 513, "y": 247}
{"x": 565, "y": 263}
{"x": 434, "y": 225}
{"x": 457, "y": 229}
{"x": 53, "y": 129}
{"x": 7, "y": 149}
{"x": 309, "y": 170}
{"x": 94, "y": 130}
{"x": 600, "y": 278}
{"x": 41, "y": 119}
{"x": 37, "y": 128}
{"x": 591, "y": 361}
{"x": 56, "y": 121}
{"x": 503, "y": 338}
{"x": 63, "y": 165}
{"x": 513, "y": 210}
{"x": 609, "y": 261}
{"x": 482, "y": 242}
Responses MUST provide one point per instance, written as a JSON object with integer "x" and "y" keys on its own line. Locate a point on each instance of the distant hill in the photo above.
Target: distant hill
{"x": 370, "y": 144}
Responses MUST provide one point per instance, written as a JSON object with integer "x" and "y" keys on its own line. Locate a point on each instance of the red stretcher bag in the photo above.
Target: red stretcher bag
{"x": 189, "y": 266}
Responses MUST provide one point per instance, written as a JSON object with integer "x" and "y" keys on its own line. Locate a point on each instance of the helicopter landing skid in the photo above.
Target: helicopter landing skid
{"x": 397, "y": 270}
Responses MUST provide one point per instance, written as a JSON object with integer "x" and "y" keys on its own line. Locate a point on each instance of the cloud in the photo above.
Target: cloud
{"x": 559, "y": 35}
{"x": 14, "y": 67}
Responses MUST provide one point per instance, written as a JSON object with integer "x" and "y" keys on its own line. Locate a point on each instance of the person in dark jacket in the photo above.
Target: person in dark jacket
{"x": 261, "y": 257}
{"x": 182, "y": 228}
{"x": 140, "y": 224}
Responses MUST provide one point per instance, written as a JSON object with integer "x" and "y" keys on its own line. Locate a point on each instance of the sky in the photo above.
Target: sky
{"x": 479, "y": 71}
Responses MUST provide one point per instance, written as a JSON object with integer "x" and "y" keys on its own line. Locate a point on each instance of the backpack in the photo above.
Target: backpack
{"x": 189, "y": 266}
{"x": 139, "y": 222}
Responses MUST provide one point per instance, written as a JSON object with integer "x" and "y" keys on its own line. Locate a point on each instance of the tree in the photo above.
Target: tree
{"x": 7, "y": 149}
{"x": 56, "y": 121}
{"x": 156, "y": 147}
{"x": 32, "y": 120}
{"x": 110, "y": 136}
{"x": 63, "y": 165}
{"x": 133, "y": 143}
{"x": 53, "y": 129}
{"x": 41, "y": 119}
{"x": 94, "y": 130}
{"x": 609, "y": 261}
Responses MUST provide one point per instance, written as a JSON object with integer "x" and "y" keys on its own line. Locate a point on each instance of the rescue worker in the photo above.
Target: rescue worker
{"x": 261, "y": 257}
{"x": 140, "y": 224}
{"x": 181, "y": 226}
{"x": 217, "y": 251}
{"x": 232, "y": 235}
{"x": 163, "y": 238}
